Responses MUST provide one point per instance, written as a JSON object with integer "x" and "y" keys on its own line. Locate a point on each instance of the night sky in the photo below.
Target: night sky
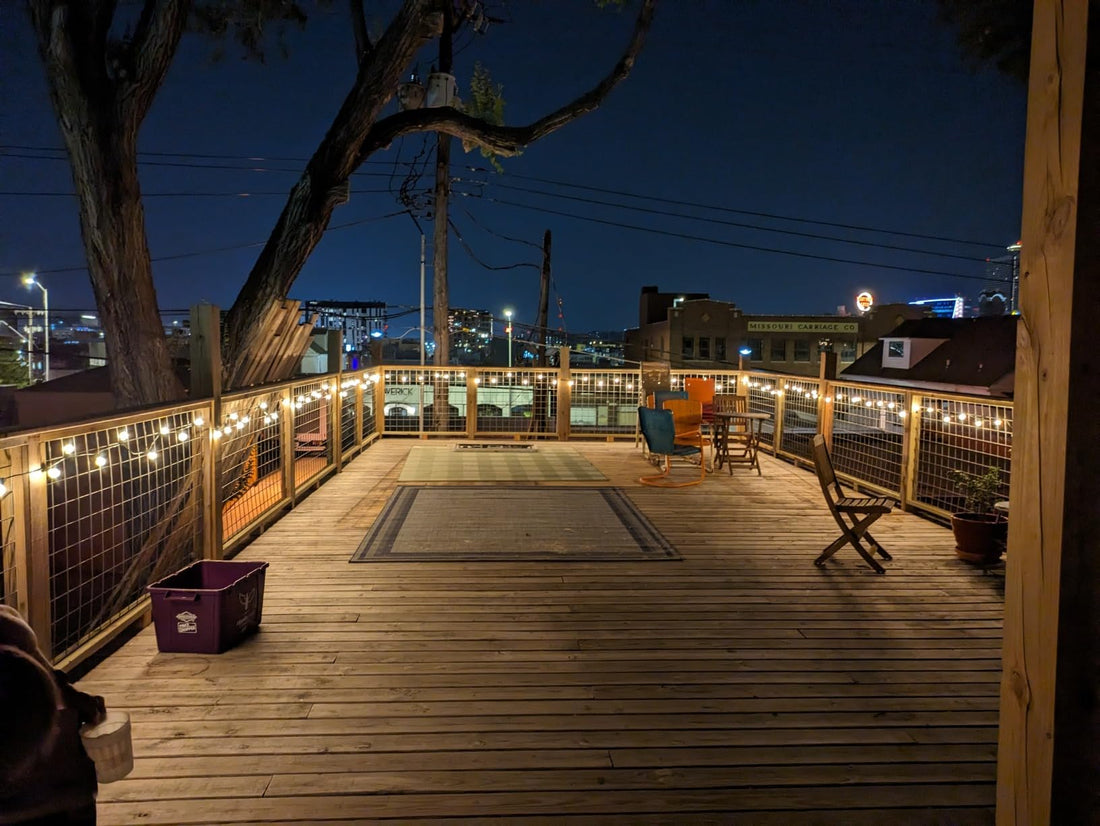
{"x": 855, "y": 113}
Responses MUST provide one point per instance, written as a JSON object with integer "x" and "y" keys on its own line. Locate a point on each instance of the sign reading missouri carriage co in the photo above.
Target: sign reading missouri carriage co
{"x": 803, "y": 326}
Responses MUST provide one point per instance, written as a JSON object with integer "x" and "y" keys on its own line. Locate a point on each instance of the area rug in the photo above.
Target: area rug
{"x": 462, "y": 524}
{"x": 443, "y": 463}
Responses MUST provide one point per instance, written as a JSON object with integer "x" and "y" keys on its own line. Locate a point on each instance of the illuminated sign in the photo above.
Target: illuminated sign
{"x": 804, "y": 326}
{"x": 864, "y": 301}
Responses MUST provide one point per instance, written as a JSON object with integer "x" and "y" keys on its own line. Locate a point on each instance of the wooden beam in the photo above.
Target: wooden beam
{"x": 1048, "y": 770}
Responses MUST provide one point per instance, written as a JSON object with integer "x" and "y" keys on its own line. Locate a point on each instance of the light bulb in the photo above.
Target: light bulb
{"x": 165, "y": 430}
{"x": 199, "y": 421}
{"x": 182, "y": 436}
{"x": 3, "y": 487}
{"x": 68, "y": 448}
{"x": 263, "y": 405}
{"x": 233, "y": 417}
{"x": 215, "y": 433}
{"x": 152, "y": 455}
{"x": 123, "y": 435}
{"x": 54, "y": 472}
{"x": 100, "y": 460}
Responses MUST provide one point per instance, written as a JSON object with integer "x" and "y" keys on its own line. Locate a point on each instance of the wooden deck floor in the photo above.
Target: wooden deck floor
{"x": 741, "y": 685}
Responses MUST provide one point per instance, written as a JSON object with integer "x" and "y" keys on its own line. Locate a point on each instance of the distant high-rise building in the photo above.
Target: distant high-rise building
{"x": 953, "y": 307}
{"x": 471, "y": 335}
{"x": 355, "y": 319}
{"x": 1005, "y": 270}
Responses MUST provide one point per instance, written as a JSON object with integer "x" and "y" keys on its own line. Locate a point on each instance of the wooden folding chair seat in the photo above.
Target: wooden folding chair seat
{"x": 853, "y": 514}
{"x": 702, "y": 391}
{"x": 659, "y": 431}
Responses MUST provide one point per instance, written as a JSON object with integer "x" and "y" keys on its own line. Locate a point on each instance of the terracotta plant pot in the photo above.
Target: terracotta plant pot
{"x": 980, "y": 538}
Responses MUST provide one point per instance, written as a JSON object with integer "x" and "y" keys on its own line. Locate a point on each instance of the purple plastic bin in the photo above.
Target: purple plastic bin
{"x": 208, "y": 607}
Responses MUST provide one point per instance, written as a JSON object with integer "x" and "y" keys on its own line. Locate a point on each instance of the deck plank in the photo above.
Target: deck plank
{"x": 738, "y": 685}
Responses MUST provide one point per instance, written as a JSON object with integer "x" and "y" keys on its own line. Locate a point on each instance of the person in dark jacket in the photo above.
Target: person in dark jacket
{"x": 46, "y": 777}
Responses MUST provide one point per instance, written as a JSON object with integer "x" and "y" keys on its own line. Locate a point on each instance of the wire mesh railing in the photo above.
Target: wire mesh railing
{"x": 312, "y": 430}
{"x": 954, "y": 433}
{"x": 124, "y": 507}
{"x": 516, "y": 401}
{"x": 604, "y": 402}
{"x": 250, "y": 448}
{"x": 424, "y": 400}
{"x": 801, "y": 402}
{"x": 868, "y": 425}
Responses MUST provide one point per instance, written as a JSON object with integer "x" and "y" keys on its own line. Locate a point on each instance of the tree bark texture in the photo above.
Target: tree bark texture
{"x": 441, "y": 291}
{"x": 100, "y": 109}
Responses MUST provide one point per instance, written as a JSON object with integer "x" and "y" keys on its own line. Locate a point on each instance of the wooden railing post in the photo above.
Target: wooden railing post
{"x": 20, "y": 535}
{"x": 206, "y": 382}
{"x": 471, "y": 403}
{"x": 334, "y": 349}
{"x": 286, "y": 441}
{"x": 380, "y": 402}
{"x": 826, "y": 396}
{"x": 359, "y": 412}
{"x": 910, "y": 449}
{"x": 565, "y": 393}
{"x": 39, "y": 593}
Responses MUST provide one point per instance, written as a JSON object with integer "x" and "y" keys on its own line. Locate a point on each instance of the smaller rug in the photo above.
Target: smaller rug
{"x": 462, "y": 524}
{"x": 445, "y": 463}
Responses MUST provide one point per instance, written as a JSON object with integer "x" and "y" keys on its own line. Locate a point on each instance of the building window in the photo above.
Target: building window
{"x": 720, "y": 349}
{"x": 896, "y": 349}
{"x": 801, "y": 350}
{"x": 704, "y": 347}
{"x": 848, "y": 351}
{"x": 756, "y": 349}
{"x": 688, "y": 348}
{"x": 779, "y": 349}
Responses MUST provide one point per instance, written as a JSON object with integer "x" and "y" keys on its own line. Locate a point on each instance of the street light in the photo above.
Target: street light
{"x": 30, "y": 346}
{"x": 508, "y": 315}
{"x": 744, "y": 351}
{"x": 29, "y": 280}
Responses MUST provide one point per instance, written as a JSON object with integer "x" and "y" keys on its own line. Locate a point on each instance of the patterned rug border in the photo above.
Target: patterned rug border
{"x": 379, "y": 539}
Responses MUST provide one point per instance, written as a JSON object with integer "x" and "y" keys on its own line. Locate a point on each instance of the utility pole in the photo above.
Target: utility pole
{"x": 544, "y": 300}
{"x": 540, "y": 414}
{"x": 441, "y": 331}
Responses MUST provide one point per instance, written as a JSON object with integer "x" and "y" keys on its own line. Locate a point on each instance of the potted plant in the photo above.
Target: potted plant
{"x": 980, "y": 532}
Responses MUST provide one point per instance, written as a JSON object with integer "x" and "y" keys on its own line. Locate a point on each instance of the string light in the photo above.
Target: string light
{"x": 100, "y": 460}
{"x": 123, "y": 435}
{"x": 54, "y": 472}
{"x": 3, "y": 488}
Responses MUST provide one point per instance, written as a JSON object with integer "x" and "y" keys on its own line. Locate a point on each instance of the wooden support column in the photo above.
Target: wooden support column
{"x": 39, "y": 593}
{"x": 1048, "y": 768}
{"x": 565, "y": 393}
{"x": 471, "y": 403}
{"x": 334, "y": 350}
{"x": 825, "y": 390}
{"x": 910, "y": 448}
{"x": 206, "y": 383}
{"x": 380, "y": 402}
{"x": 286, "y": 442}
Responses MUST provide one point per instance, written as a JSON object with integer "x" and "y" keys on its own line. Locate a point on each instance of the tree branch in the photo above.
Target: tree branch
{"x": 508, "y": 140}
{"x": 363, "y": 46}
{"x": 154, "y": 45}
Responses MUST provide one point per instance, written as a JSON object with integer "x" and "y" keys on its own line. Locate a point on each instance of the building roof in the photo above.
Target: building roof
{"x": 978, "y": 353}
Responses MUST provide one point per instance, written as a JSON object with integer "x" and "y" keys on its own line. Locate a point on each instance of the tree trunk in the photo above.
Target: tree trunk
{"x": 99, "y": 117}
{"x": 324, "y": 183}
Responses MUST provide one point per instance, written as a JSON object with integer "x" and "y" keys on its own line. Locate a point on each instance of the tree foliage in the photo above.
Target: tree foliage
{"x": 486, "y": 103}
{"x": 993, "y": 31}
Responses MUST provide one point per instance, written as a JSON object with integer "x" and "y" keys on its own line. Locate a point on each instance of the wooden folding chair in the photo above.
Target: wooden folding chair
{"x": 702, "y": 391}
{"x": 659, "y": 431}
{"x": 861, "y": 512}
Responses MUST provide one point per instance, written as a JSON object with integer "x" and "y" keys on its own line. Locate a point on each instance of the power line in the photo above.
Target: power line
{"x": 473, "y": 255}
{"x": 210, "y": 251}
{"x": 738, "y": 224}
{"x": 282, "y": 192}
{"x": 736, "y": 211}
{"x": 723, "y": 243}
{"x": 484, "y": 170}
